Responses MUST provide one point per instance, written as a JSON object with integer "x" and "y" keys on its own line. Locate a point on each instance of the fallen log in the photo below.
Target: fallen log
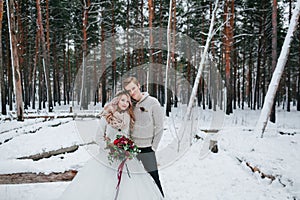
{"x": 47, "y": 117}
{"x": 30, "y": 177}
{"x": 287, "y": 133}
{"x": 51, "y": 153}
{"x": 257, "y": 170}
{"x": 48, "y": 154}
{"x": 263, "y": 175}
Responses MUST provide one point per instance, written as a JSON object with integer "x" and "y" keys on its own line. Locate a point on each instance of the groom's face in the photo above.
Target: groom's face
{"x": 134, "y": 91}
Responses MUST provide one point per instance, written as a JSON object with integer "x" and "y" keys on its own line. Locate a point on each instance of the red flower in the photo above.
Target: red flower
{"x": 116, "y": 141}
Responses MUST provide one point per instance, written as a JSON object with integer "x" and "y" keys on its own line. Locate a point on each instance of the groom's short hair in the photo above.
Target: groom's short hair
{"x": 129, "y": 80}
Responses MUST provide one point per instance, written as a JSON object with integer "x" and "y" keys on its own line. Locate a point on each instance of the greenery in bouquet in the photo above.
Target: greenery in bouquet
{"x": 121, "y": 148}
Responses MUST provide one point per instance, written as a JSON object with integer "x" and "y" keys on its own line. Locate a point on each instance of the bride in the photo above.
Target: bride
{"x": 99, "y": 179}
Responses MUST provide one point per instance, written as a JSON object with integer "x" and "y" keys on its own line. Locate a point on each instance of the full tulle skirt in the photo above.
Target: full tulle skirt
{"x": 97, "y": 180}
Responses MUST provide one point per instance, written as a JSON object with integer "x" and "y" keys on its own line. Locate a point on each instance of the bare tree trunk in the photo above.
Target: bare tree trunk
{"x": 151, "y": 41}
{"x": 69, "y": 77}
{"x": 171, "y": 48}
{"x": 298, "y": 94}
{"x": 95, "y": 80}
{"x": 159, "y": 57}
{"x": 228, "y": 37}
{"x": 65, "y": 75}
{"x": 269, "y": 99}
{"x": 56, "y": 74}
{"x": 243, "y": 76}
{"x": 264, "y": 61}
{"x": 113, "y": 46}
{"x": 41, "y": 86}
{"x": 2, "y": 81}
{"x": 46, "y": 63}
{"x": 35, "y": 62}
{"x": 15, "y": 60}
{"x": 48, "y": 30}
{"x": 233, "y": 54}
{"x": 127, "y": 36}
{"x": 84, "y": 92}
{"x": 258, "y": 74}
{"x": 21, "y": 51}
{"x": 288, "y": 73}
{"x": 274, "y": 54}
{"x": 103, "y": 65}
{"x": 10, "y": 82}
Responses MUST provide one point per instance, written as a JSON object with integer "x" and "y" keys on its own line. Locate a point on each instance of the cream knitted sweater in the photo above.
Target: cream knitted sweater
{"x": 148, "y": 126}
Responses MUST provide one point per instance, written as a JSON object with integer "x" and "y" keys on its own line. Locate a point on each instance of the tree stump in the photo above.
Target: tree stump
{"x": 30, "y": 177}
{"x": 213, "y": 142}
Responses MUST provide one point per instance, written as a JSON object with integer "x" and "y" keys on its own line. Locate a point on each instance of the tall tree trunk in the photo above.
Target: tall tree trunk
{"x": 172, "y": 36}
{"x": 141, "y": 50}
{"x": 160, "y": 55}
{"x": 41, "y": 86}
{"x": 95, "y": 81}
{"x": 113, "y": 46}
{"x": 48, "y": 30}
{"x": 298, "y": 94}
{"x": 127, "y": 36}
{"x": 56, "y": 82}
{"x": 228, "y": 37}
{"x": 35, "y": 63}
{"x": 69, "y": 76}
{"x": 258, "y": 74}
{"x": 269, "y": 100}
{"x": 2, "y": 80}
{"x": 141, "y": 53}
{"x": 243, "y": 75}
{"x": 15, "y": 61}
{"x": 46, "y": 63}
{"x": 21, "y": 51}
{"x": 29, "y": 52}
{"x": 274, "y": 53}
{"x": 84, "y": 91}
{"x": 233, "y": 54}
{"x": 288, "y": 70}
{"x": 249, "y": 80}
{"x": 103, "y": 65}
{"x": 65, "y": 81}
{"x": 235, "y": 77}
{"x": 174, "y": 60}
{"x": 151, "y": 42}
{"x": 264, "y": 61}
{"x": 10, "y": 77}
{"x": 238, "y": 88}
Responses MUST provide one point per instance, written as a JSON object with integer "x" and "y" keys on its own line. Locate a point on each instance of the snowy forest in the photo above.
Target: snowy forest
{"x": 224, "y": 71}
{"x": 49, "y": 40}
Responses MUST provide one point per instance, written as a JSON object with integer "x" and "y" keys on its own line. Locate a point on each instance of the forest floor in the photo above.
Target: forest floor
{"x": 40, "y": 156}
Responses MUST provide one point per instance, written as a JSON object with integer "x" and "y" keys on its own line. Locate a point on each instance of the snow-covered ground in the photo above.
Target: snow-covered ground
{"x": 193, "y": 173}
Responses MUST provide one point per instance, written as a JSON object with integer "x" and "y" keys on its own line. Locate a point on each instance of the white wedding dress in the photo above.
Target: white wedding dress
{"x": 97, "y": 180}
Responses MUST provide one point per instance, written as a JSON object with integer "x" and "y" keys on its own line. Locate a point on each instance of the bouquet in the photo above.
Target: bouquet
{"x": 122, "y": 148}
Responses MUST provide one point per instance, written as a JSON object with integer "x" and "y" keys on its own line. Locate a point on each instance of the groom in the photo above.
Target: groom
{"x": 148, "y": 126}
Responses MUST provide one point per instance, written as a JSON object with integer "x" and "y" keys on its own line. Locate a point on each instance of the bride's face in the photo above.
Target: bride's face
{"x": 123, "y": 102}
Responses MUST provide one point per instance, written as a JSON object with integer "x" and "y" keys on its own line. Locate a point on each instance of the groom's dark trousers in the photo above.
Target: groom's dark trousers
{"x": 147, "y": 156}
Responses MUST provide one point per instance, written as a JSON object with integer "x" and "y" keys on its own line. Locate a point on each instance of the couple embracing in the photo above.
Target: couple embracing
{"x": 138, "y": 116}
